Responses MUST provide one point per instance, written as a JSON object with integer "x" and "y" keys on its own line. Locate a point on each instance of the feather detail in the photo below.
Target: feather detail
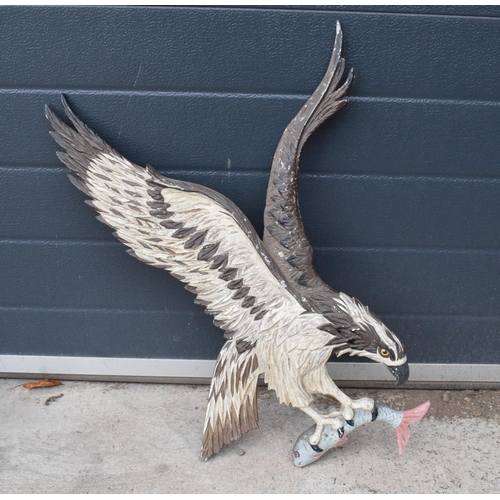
{"x": 284, "y": 233}
{"x": 205, "y": 241}
{"x": 232, "y": 404}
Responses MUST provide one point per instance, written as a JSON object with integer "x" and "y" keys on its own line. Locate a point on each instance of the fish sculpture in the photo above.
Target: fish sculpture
{"x": 305, "y": 453}
{"x": 280, "y": 319}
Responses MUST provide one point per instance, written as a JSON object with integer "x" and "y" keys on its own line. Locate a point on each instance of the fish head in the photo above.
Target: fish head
{"x": 304, "y": 453}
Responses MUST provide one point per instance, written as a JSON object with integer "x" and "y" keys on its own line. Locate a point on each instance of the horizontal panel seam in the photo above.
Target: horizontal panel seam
{"x": 201, "y": 313}
{"x": 62, "y": 242}
{"x": 239, "y": 95}
{"x": 303, "y": 175}
{"x": 387, "y": 249}
{"x": 293, "y": 9}
{"x": 438, "y": 316}
{"x": 99, "y": 310}
{"x": 151, "y": 93}
{"x": 404, "y": 178}
{"x": 324, "y": 249}
{"x": 364, "y": 12}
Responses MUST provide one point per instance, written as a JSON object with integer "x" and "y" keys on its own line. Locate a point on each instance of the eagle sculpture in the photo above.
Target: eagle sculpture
{"x": 280, "y": 319}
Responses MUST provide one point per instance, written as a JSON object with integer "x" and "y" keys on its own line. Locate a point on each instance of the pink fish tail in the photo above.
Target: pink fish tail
{"x": 409, "y": 417}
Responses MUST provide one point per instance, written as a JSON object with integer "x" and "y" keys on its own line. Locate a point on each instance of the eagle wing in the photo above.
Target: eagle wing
{"x": 202, "y": 239}
{"x": 284, "y": 234}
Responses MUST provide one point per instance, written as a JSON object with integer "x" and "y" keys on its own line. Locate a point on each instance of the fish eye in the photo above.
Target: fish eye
{"x": 384, "y": 353}
{"x": 296, "y": 454}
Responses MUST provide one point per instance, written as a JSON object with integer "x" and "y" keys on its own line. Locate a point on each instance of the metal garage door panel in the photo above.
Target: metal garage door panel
{"x": 399, "y": 192}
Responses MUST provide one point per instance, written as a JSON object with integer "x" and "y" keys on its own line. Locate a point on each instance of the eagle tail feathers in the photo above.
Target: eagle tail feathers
{"x": 232, "y": 405}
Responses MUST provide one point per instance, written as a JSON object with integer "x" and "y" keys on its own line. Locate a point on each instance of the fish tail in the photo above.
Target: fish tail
{"x": 409, "y": 417}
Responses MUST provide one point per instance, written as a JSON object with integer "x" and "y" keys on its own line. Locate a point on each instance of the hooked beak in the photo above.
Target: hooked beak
{"x": 401, "y": 372}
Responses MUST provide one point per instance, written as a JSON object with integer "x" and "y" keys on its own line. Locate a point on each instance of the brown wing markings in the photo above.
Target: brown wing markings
{"x": 284, "y": 234}
{"x": 232, "y": 409}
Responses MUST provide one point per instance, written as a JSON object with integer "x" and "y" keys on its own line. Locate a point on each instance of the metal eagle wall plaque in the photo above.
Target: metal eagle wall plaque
{"x": 280, "y": 319}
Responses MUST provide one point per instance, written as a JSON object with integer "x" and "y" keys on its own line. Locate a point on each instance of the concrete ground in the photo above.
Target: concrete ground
{"x": 145, "y": 438}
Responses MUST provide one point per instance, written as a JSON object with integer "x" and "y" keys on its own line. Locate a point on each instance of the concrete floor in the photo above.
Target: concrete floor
{"x": 145, "y": 438}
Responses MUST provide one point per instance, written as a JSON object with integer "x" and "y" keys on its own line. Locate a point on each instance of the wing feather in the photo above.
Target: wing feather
{"x": 202, "y": 239}
{"x": 284, "y": 234}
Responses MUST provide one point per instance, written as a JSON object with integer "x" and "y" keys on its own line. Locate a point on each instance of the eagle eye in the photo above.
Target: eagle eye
{"x": 384, "y": 353}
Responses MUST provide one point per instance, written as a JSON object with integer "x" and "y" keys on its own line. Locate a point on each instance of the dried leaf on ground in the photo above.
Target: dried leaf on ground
{"x": 44, "y": 382}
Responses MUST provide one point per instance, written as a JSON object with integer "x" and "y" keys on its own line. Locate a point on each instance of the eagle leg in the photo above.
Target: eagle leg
{"x": 321, "y": 421}
{"x": 320, "y": 382}
{"x": 333, "y": 417}
{"x": 348, "y": 405}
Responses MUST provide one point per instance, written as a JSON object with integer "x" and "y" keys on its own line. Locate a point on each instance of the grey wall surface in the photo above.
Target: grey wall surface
{"x": 400, "y": 192}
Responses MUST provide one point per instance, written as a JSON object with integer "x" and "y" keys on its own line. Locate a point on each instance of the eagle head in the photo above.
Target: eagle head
{"x": 358, "y": 332}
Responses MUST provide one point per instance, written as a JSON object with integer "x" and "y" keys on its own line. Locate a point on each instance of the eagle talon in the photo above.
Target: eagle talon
{"x": 315, "y": 438}
{"x": 366, "y": 404}
{"x": 348, "y": 412}
{"x": 321, "y": 422}
{"x": 333, "y": 414}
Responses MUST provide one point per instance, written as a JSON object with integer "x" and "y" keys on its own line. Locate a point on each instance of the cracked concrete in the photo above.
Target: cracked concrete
{"x": 145, "y": 438}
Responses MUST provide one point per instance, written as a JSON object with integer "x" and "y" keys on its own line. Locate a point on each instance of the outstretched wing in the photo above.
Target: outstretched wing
{"x": 204, "y": 240}
{"x": 198, "y": 235}
{"x": 284, "y": 234}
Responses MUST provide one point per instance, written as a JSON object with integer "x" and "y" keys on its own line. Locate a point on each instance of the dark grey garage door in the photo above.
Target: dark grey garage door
{"x": 400, "y": 192}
